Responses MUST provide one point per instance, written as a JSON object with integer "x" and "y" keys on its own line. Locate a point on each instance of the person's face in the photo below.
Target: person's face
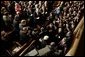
{"x": 39, "y": 2}
{"x": 50, "y": 14}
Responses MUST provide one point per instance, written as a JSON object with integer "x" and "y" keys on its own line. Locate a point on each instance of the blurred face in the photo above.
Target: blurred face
{"x": 25, "y": 29}
{"x": 2, "y": 33}
{"x": 36, "y": 6}
{"x": 69, "y": 9}
{"x": 30, "y": 2}
{"x": 45, "y": 3}
{"x": 37, "y": 10}
{"x": 43, "y": 7}
{"x": 67, "y": 25}
{"x": 50, "y": 25}
{"x": 68, "y": 15}
{"x": 39, "y": 3}
{"x": 59, "y": 30}
{"x": 23, "y": 22}
{"x": 50, "y": 14}
{"x": 70, "y": 2}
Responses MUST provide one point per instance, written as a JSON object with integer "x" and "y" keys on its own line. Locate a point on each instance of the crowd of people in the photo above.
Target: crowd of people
{"x": 48, "y": 22}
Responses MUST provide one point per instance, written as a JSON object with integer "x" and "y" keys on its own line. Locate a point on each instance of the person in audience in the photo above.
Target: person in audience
{"x": 48, "y": 22}
{"x": 23, "y": 35}
{"x": 22, "y": 24}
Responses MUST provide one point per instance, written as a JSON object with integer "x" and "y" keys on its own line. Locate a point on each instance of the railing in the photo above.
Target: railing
{"x": 77, "y": 36}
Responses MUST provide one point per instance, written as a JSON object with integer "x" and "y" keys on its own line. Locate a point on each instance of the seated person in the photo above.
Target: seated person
{"x": 22, "y": 24}
{"x": 23, "y": 35}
